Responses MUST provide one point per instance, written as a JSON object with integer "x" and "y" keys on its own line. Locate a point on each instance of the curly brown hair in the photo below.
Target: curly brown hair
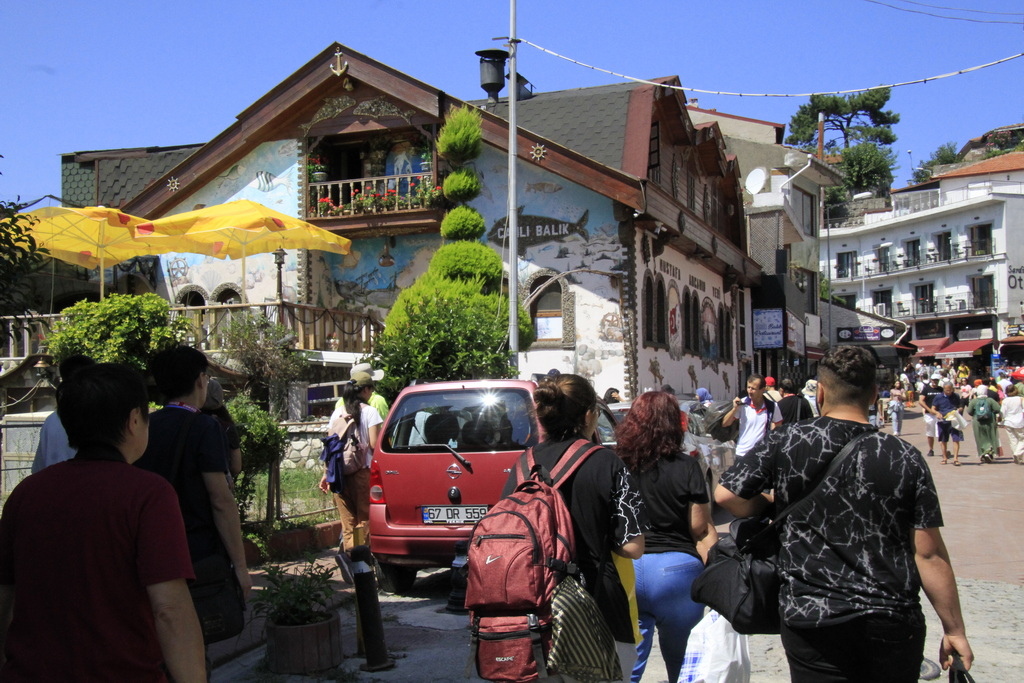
{"x": 651, "y": 430}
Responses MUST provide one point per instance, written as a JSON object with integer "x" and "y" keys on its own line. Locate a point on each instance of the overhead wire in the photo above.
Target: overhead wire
{"x": 942, "y": 16}
{"x": 964, "y": 9}
{"x": 741, "y": 94}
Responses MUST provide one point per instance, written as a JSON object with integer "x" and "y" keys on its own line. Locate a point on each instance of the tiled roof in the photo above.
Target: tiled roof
{"x": 1014, "y": 161}
{"x": 591, "y": 121}
{"x": 112, "y": 177}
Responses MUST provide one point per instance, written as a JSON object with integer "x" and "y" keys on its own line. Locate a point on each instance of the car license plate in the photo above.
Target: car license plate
{"x": 453, "y": 514}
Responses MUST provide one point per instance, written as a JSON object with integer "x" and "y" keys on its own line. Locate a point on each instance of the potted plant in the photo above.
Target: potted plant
{"x": 316, "y": 170}
{"x": 303, "y": 632}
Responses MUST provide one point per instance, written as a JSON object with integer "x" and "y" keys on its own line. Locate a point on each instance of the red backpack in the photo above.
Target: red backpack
{"x": 518, "y": 554}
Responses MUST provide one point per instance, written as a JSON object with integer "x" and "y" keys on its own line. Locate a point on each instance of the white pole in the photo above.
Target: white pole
{"x": 512, "y": 223}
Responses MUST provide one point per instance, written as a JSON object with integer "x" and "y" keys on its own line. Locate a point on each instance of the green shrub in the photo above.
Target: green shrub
{"x": 461, "y": 137}
{"x": 263, "y": 445}
{"x": 463, "y": 223}
{"x": 467, "y": 260}
{"x": 462, "y": 185}
{"x": 120, "y": 329}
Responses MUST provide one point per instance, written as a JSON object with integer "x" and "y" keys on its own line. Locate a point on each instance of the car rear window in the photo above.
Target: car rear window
{"x": 465, "y": 420}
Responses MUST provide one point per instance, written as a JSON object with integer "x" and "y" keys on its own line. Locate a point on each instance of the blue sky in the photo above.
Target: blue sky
{"x": 97, "y": 75}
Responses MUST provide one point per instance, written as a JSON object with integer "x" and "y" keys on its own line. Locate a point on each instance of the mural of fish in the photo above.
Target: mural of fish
{"x": 535, "y": 230}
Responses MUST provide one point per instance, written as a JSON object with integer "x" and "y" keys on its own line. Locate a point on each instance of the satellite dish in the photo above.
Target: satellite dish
{"x": 755, "y": 180}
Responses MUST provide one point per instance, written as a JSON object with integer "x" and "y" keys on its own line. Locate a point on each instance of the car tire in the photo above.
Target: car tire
{"x": 395, "y": 579}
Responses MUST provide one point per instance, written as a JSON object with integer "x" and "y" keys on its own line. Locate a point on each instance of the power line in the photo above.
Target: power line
{"x": 942, "y": 16}
{"x": 746, "y": 94}
{"x": 963, "y": 9}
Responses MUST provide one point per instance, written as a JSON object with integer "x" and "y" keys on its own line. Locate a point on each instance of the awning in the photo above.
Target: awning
{"x": 1012, "y": 340}
{"x": 814, "y": 354}
{"x": 887, "y": 355}
{"x": 962, "y": 349}
{"x": 928, "y": 347}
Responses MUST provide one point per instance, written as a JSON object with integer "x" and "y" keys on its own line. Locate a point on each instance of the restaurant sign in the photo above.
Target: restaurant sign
{"x": 769, "y": 328}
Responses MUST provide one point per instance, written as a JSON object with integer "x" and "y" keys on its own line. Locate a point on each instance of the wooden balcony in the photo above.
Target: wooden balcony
{"x": 378, "y": 195}
{"x": 314, "y": 329}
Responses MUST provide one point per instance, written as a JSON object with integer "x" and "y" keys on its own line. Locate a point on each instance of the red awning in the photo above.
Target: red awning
{"x": 928, "y": 347}
{"x": 962, "y": 349}
{"x": 1012, "y": 340}
{"x": 814, "y": 354}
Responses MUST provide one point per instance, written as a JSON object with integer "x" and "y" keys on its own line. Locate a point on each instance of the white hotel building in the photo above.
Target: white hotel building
{"x": 947, "y": 259}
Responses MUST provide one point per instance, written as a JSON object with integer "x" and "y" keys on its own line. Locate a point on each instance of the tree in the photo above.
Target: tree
{"x": 21, "y": 257}
{"x": 945, "y": 154}
{"x": 452, "y": 323}
{"x": 263, "y": 351}
{"x": 849, "y": 120}
{"x": 120, "y": 329}
{"x": 867, "y": 167}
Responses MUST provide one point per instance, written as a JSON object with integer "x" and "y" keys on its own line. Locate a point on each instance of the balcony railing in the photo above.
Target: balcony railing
{"x": 946, "y": 305}
{"x": 381, "y": 194}
{"x": 314, "y": 329}
{"x": 869, "y": 267}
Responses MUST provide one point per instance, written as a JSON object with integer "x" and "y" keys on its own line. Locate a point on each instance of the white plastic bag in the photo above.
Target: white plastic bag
{"x": 715, "y": 653}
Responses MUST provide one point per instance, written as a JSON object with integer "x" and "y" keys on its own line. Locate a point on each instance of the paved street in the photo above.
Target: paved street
{"x": 981, "y": 506}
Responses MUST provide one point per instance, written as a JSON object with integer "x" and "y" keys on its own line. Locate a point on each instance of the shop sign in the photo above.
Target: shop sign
{"x": 866, "y": 333}
{"x": 769, "y": 328}
{"x": 795, "y": 334}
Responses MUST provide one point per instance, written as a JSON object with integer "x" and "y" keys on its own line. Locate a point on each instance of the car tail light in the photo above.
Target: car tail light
{"x": 376, "y": 483}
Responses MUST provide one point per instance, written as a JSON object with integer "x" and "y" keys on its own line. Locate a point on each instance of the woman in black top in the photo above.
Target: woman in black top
{"x": 602, "y": 497}
{"x": 681, "y": 531}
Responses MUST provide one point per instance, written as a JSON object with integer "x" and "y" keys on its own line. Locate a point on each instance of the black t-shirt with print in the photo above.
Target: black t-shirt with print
{"x": 929, "y": 393}
{"x": 668, "y": 489}
{"x": 849, "y": 552}
{"x": 604, "y": 501}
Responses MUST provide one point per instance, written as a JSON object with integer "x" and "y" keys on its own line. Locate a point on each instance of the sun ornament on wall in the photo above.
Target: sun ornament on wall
{"x": 172, "y": 185}
{"x": 538, "y": 152}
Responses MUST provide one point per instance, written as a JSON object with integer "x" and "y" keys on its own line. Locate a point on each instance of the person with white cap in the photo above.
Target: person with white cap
{"x": 931, "y": 423}
{"x": 810, "y": 392}
{"x": 376, "y": 401}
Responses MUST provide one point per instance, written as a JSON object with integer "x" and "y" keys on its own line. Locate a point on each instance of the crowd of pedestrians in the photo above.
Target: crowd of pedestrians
{"x": 852, "y": 564}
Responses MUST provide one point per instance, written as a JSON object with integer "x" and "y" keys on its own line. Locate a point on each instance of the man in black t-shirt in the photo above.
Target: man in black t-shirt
{"x": 207, "y": 504}
{"x": 793, "y": 406}
{"x": 852, "y": 561}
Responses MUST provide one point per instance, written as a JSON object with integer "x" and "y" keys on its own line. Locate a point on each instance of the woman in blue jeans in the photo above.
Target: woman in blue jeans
{"x": 676, "y": 545}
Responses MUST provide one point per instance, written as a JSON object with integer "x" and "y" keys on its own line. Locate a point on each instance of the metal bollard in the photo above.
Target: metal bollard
{"x": 369, "y": 611}
{"x": 457, "y": 596}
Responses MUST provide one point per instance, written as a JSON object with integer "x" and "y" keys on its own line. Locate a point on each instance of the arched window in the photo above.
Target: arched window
{"x": 193, "y": 298}
{"x": 546, "y": 310}
{"x": 695, "y": 322}
{"x": 229, "y": 296}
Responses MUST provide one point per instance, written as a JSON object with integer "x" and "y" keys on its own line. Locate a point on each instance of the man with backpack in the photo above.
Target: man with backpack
{"x": 757, "y": 415}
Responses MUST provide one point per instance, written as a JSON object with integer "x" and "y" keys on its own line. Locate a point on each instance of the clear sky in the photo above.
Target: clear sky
{"x": 84, "y": 75}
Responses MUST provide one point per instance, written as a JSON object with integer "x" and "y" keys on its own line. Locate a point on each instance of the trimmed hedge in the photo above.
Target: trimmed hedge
{"x": 462, "y": 185}
{"x": 463, "y": 223}
{"x": 464, "y": 260}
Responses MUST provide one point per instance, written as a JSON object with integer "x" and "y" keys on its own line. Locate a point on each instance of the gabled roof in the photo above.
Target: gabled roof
{"x": 591, "y": 121}
{"x": 1014, "y": 161}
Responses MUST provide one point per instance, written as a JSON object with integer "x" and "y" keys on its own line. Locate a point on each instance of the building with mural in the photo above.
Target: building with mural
{"x": 944, "y": 260}
{"x": 632, "y": 250}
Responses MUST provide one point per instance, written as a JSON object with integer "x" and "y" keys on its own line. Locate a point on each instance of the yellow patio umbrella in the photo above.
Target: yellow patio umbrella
{"x": 223, "y": 241}
{"x": 243, "y": 214}
{"x": 90, "y": 237}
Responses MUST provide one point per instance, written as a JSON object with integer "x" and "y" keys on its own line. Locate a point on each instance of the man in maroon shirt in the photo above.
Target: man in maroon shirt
{"x": 93, "y": 556}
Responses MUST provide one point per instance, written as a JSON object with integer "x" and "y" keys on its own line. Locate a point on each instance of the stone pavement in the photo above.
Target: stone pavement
{"x": 982, "y": 509}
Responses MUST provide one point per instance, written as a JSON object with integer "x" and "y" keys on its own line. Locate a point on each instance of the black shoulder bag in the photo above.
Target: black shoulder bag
{"x": 740, "y": 581}
{"x": 216, "y": 593}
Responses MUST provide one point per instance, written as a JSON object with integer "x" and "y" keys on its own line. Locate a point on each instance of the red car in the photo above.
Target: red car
{"x": 445, "y": 452}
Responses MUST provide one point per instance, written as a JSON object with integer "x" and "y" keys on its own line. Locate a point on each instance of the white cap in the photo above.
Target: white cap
{"x": 936, "y": 376}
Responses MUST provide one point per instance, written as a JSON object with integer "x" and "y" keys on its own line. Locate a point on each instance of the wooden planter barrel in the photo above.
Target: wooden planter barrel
{"x": 304, "y": 649}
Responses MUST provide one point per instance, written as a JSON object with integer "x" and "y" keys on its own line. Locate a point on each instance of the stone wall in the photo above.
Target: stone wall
{"x": 304, "y": 444}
